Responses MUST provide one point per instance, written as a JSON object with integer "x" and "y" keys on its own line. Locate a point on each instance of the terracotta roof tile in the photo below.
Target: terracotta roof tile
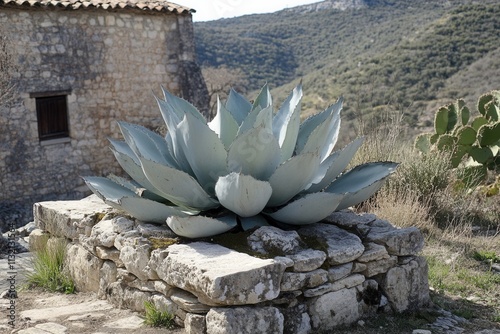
{"x": 152, "y": 5}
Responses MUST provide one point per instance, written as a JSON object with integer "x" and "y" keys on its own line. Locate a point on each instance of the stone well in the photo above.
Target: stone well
{"x": 269, "y": 280}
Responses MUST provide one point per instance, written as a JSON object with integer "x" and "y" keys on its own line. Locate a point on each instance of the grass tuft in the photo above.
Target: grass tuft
{"x": 48, "y": 265}
{"x": 157, "y": 318}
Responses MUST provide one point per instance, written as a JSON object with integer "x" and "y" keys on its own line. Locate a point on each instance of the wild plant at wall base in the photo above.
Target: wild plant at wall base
{"x": 247, "y": 167}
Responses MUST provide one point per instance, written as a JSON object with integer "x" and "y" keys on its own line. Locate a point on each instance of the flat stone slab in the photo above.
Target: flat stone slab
{"x": 69, "y": 218}
{"x": 64, "y": 311}
{"x": 342, "y": 246}
{"x": 221, "y": 276}
{"x": 132, "y": 322}
{"x": 400, "y": 242}
{"x": 244, "y": 320}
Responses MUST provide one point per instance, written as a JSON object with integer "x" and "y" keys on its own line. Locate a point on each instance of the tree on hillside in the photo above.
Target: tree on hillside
{"x": 220, "y": 80}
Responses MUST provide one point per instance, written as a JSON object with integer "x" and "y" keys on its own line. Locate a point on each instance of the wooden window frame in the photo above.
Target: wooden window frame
{"x": 52, "y": 114}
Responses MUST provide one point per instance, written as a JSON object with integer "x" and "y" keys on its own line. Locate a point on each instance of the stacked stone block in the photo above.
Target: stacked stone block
{"x": 313, "y": 278}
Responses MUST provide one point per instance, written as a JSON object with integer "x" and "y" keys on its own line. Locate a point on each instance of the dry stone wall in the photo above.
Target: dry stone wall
{"x": 267, "y": 280}
{"x": 109, "y": 63}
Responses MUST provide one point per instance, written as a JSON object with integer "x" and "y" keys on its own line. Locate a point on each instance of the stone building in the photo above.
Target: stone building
{"x": 80, "y": 66}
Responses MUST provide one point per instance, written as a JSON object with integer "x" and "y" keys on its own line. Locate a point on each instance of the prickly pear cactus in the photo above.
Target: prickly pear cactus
{"x": 473, "y": 143}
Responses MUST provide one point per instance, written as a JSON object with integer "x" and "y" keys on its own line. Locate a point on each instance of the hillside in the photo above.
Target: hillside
{"x": 404, "y": 55}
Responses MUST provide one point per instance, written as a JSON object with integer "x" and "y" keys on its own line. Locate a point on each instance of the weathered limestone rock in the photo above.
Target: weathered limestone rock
{"x": 342, "y": 246}
{"x": 195, "y": 324}
{"x": 245, "y": 320}
{"x": 163, "y": 303}
{"x": 373, "y": 252}
{"x": 126, "y": 238}
{"x": 406, "y": 287}
{"x": 157, "y": 231}
{"x": 297, "y": 320}
{"x": 38, "y": 239}
{"x": 272, "y": 240}
{"x": 308, "y": 260}
{"x": 218, "y": 275}
{"x": 338, "y": 272}
{"x": 135, "y": 259}
{"x": 358, "y": 267}
{"x": 370, "y": 297}
{"x": 334, "y": 309}
{"x": 68, "y": 218}
{"x": 295, "y": 281}
{"x": 112, "y": 254}
{"x": 83, "y": 268}
{"x": 378, "y": 267}
{"x": 346, "y": 282}
{"x": 107, "y": 275}
{"x": 102, "y": 234}
{"x": 400, "y": 242}
{"x": 163, "y": 287}
{"x": 350, "y": 220}
{"x": 188, "y": 302}
{"x": 122, "y": 225}
{"x": 123, "y": 296}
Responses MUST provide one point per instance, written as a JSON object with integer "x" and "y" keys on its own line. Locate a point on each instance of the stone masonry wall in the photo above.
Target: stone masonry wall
{"x": 112, "y": 62}
{"x": 269, "y": 280}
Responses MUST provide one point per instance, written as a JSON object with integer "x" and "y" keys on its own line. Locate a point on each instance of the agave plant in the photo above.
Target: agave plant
{"x": 249, "y": 166}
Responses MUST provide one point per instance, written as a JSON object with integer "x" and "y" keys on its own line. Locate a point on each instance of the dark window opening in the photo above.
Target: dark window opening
{"x": 52, "y": 114}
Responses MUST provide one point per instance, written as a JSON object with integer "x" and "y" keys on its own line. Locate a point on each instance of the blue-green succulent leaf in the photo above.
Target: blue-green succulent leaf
{"x": 181, "y": 107}
{"x": 286, "y": 123}
{"x": 293, "y": 176}
{"x": 257, "y": 117}
{"x": 308, "y": 209}
{"x": 242, "y": 194}
{"x": 151, "y": 211}
{"x": 335, "y": 164}
{"x": 201, "y": 227}
{"x": 177, "y": 186}
{"x": 224, "y": 125}
{"x": 311, "y": 123}
{"x": 255, "y": 152}
{"x": 248, "y": 223}
{"x": 108, "y": 190}
{"x": 137, "y": 188}
{"x": 361, "y": 182}
{"x": 238, "y": 106}
{"x": 204, "y": 151}
{"x": 264, "y": 99}
{"x": 131, "y": 164}
{"x": 150, "y": 145}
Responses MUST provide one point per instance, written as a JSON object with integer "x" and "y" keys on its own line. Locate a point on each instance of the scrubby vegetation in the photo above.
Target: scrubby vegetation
{"x": 157, "y": 318}
{"x": 462, "y": 225}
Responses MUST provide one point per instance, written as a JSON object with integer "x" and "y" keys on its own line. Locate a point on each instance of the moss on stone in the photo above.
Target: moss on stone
{"x": 157, "y": 243}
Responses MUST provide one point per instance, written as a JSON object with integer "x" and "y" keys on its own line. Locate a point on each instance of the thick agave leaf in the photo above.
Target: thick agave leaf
{"x": 264, "y": 99}
{"x": 310, "y": 124}
{"x": 238, "y": 106}
{"x": 107, "y": 190}
{"x": 151, "y": 211}
{"x": 137, "y": 188}
{"x": 257, "y": 117}
{"x": 286, "y": 123}
{"x": 149, "y": 144}
{"x": 248, "y": 223}
{"x": 199, "y": 226}
{"x": 308, "y": 209}
{"x": 131, "y": 165}
{"x": 255, "y": 153}
{"x": 172, "y": 121}
{"x": 361, "y": 182}
{"x": 204, "y": 151}
{"x": 323, "y": 138}
{"x": 181, "y": 107}
{"x": 243, "y": 194}
{"x": 224, "y": 125}
{"x": 335, "y": 164}
{"x": 177, "y": 186}
{"x": 292, "y": 176}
